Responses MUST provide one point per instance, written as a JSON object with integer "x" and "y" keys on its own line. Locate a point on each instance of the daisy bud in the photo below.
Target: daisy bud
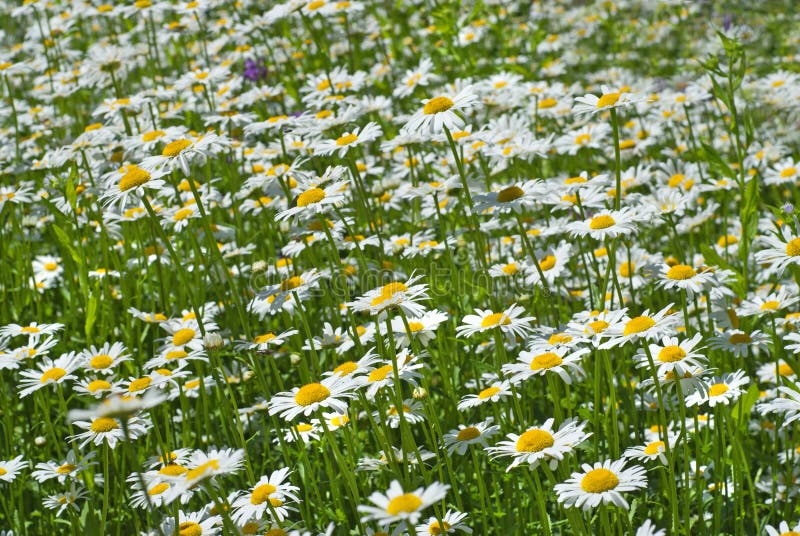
{"x": 258, "y": 267}
{"x": 213, "y": 341}
{"x": 294, "y": 359}
{"x": 247, "y": 375}
{"x": 40, "y": 441}
{"x": 420, "y": 393}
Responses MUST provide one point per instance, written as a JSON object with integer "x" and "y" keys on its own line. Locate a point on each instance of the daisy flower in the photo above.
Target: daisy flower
{"x": 383, "y": 376}
{"x": 592, "y": 104}
{"x": 49, "y": 372}
{"x": 460, "y": 440}
{"x": 783, "y": 529}
{"x": 559, "y": 360}
{"x": 647, "y": 326}
{"x": 131, "y": 181}
{"x": 396, "y": 294}
{"x": 602, "y": 483}
{"x": 396, "y": 505}
{"x": 262, "y": 343}
{"x": 109, "y": 430}
{"x": 195, "y": 523}
{"x": 370, "y": 132}
{"x": 9, "y": 469}
{"x": 204, "y": 465}
{"x": 103, "y": 360}
{"x": 653, "y": 450}
{"x": 740, "y": 343}
{"x": 673, "y": 355}
{"x": 68, "y": 499}
{"x": 67, "y": 469}
{"x": 452, "y": 522}
{"x": 508, "y": 321}
{"x": 439, "y": 113}
{"x": 789, "y": 406}
{"x": 720, "y": 390}
{"x": 541, "y": 444}
{"x": 605, "y": 224}
{"x": 685, "y": 277}
{"x": 422, "y": 328}
{"x": 270, "y": 491}
{"x": 329, "y": 393}
{"x": 769, "y": 304}
{"x": 494, "y": 393}
{"x": 180, "y": 153}
{"x": 34, "y": 331}
{"x": 316, "y": 200}
{"x": 780, "y": 254}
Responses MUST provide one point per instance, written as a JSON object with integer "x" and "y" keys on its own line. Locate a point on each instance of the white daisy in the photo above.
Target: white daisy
{"x": 540, "y": 444}
{"x": 602, "y": 483}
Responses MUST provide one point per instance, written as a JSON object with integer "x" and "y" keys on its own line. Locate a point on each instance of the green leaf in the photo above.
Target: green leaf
{"x": 717, "y": 164}
{"x": 91, "y": 315}
{"x": 748, "y": 215}
{"x": 745, "y": 405}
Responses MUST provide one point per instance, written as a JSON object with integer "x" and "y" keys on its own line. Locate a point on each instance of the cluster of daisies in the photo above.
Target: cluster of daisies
{"x": 330, "y": 267}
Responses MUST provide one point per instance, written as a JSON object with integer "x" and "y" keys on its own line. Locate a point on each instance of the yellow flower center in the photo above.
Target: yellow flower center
{"x": 309, "y": 197}
{"x": 509, "y": 194}
{"x": 152, "y": 135}
{"x": 609, "y": 99}
{"x": 546, "y": 360}
{"x": 174, "y": 148}
{"x": 547, "y": 103}
{"x": 654, "y": 448}
{"x": 638, "y": 325}
{"x": 785, "y": 370}
{"x": 262, "y": 493}
{"x": 718, "y": 389}
{"x": 182, "y": 214}
{"x": 793, "y": 247}
{"x": 200, "y": 470}
{"x": 435, "y": 528}
{"x": 599, "y": 480}
{"x": 437, "y": 105}
{"x": 311, "y": 393}
{"x": 627, "y": 269}
{"x": 740, "y": 338}
{"x": 347, "y": 139}
{"x": 379, "y": 374}
{"x": 495, "y": 319}
{"x": 104, "y": 424}
{"x": 788, "y": 172}
{"x": 345, "y": 368}
{"x": 139, "y": 384}
{"x": 98, "y": 385}
{"x": 172, "y": 469}
{"x": 771, "y": 305}
{"x": 510, "y": 268}
{"x": 465, "y": 434}
{"x": 158, "y": 489}
{"x": 387, "y": 291}
{"x": 601, "y": 222}
{"x": 54, "y": 374}
{"x": 598, "y": 326}
{"x": 50, "y": 266}
{"x": 405, "y": 503}
{"x": 66, "y": 469}
{"x": 190, "y": 528}
{"x": 547, "y": 263}
{"x": 582, "y": 139}
{"x": 671, "y": 354}
{"x": 182, "y": 336}
{"x": 101, "y": 361}
{"x": 489, "y": 392}
{"x": 534, "y": 440}
{"x": 559, "y": 338}
{"x": 681, "y": 272}
{"x": 134, "y": 177}
{"x": 176, "y": 354}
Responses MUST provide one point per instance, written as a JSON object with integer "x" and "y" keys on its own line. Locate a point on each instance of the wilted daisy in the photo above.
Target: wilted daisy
{"x": 397, "y": 505}
{"x": 541, "y": 444}
{"x": 460, "y": 440}
{"x": 720, "y": 390}
{"x": 330, "y": 393}
{"x": 602, "y": 483}
{"x": 508, "y": 321}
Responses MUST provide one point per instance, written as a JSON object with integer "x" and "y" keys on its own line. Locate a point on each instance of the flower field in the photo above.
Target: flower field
{"x": 402, "y": 267}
